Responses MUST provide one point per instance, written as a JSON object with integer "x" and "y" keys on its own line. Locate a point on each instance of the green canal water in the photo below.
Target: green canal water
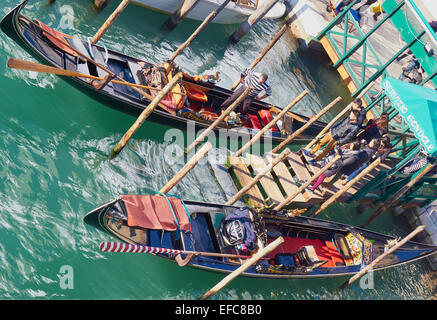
{"x": 54, "y": 166}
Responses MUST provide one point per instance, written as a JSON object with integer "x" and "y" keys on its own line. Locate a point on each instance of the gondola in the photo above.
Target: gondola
{"x": 223, "y": 236}
{"x": 234, "y": 12}
{"x": 195, "y": 99}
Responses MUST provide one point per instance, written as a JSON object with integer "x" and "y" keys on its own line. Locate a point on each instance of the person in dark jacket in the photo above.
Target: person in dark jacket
{"x": 375, "y": 128}
{"x": 383, "y": 151}
{"x": 350, "y": 162}
{"x": 343, "y": 132}
{"x": 412, "y": 72}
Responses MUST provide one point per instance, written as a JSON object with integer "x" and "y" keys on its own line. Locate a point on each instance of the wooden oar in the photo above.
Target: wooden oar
{"x": 306, "y": 184}
{"x": 382, "y": 256}
{"x": 118, "y": 247}
{"x": 14, "y": 63}
{"x": 207, "y": 20}
{"x": 305, "y": 126}
{"x": 109, "y": 21}
{"x": 187, "y": 167}
{"x": 148, "y": 96}
{"x": 224, "y": 114}
{"x": 246, "y": 265}
{"x": 264, "y": 52}
{"x": 146, "y": 113}
{"x": 281, "y": 114}
{"x": 337, "y": 117}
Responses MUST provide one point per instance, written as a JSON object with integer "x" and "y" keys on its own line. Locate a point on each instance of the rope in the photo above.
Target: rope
{"x": 172, "y": 211}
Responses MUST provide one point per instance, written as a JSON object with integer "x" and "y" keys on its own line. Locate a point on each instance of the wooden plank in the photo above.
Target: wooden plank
{"x": 268, "y": 182}
{"x": 243, "y": 175}
{"x": 302, "y": 173}
{"x": 350, "y": 84}
{"x": 217, "y": 160}
{"x": 333, "y": 188}
{"x": 285, "y": 178}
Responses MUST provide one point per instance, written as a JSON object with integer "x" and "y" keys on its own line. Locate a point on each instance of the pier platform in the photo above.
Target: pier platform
{"x": 310, "y": 17}
{"x": 282, "y": 181}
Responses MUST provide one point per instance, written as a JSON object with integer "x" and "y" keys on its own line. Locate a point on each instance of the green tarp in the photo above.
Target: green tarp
{"x": 418, "y": 106}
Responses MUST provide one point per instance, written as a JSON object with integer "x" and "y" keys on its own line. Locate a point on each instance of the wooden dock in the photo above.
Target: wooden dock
{"x": 283, "y": 180}
{"x": 309, "y": 18}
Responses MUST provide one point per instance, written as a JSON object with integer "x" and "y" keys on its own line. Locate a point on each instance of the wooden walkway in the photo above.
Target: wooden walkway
{"x": 283, "y": 180}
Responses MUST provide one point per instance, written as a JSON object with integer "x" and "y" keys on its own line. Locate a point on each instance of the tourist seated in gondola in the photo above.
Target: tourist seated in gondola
{"x": 383, "y": 151}
{"x": 258, "y": 82}
{"x": 349, "y": 161}
{"x": 342, "y": 133}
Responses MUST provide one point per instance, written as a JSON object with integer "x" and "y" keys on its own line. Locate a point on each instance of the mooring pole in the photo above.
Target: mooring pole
{"x": 264, "y": 52}
{"x": 202, "y": 26}
{"x": 146, "y": 113}
{"x": 305, "y": 126}
{"x": 258, "y": 177}
{"x": 252, "y": 20}
{"x": 382, "y": 256}
{"x": 187, "y": 167}
{"x": 246, "y": 265}
{"x": 258, "y": 135}
{"x": 176, "y": 18}
{"x": 109, "y": 21}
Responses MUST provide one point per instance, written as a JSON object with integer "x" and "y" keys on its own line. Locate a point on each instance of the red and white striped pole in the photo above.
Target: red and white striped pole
{"x": 136, "y": 248}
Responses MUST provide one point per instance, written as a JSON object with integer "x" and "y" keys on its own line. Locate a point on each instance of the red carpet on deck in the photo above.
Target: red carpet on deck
{"x": 325, "y": 250}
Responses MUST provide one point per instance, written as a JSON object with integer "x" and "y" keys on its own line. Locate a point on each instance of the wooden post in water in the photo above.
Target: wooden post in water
{"x": 177, "y": 16}
{"x": 305, "y": 126}
{"x": 306, "y": 184}
{"x": 202, "y": 26}
{"x": 224, "y": 114}
{"x": 109, "y": 21}
{"x": 264, "y": 52}
{"x": 258, "y": 177}
{"x": 146, "y": 113}
{"x": 382, "y": 256}
{"x": 258, "y": 135}
{"x": 252, "y": 20}
{"x": 347, "y": 186}
{"x": 187, "y": 167}
{"x": 400, "y": 193}
{"x": 338, "y": 116}
{"x": 246, "y": 265}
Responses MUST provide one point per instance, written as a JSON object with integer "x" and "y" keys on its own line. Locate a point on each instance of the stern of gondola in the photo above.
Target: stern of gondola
{"x": 9, "y": 22}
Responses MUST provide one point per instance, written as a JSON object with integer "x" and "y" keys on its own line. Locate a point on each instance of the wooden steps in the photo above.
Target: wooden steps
{"x": 303, "y": 174}
{"x": 268, "y": 183}
{"x": 244, "y": 176}
{"x": 285, "y": 178}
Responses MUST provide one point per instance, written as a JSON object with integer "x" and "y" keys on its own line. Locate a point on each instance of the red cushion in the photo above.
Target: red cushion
{"x": 266, "y": 117}
{"x": 253, "y": 122}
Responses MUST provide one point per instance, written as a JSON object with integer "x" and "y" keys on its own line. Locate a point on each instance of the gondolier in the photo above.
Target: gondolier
{"x": 258, "y": 82}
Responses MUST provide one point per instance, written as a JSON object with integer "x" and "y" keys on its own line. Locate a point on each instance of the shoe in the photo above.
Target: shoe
{"x": 312, "y": 162}
{"x": 306, "y": 152}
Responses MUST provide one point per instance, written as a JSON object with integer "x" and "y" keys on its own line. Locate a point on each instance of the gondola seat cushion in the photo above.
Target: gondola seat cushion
{"x": 160, "y": 239}
{"x": 254, "y": 122}
{"x": 307, "y": 256}
{"x": 266, "y": 117}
